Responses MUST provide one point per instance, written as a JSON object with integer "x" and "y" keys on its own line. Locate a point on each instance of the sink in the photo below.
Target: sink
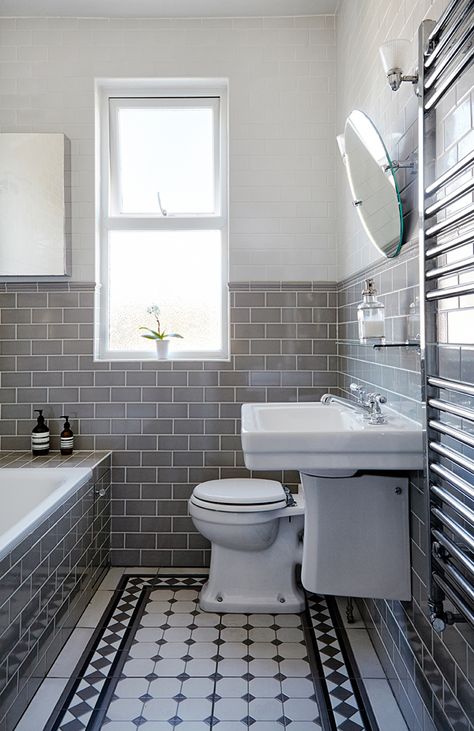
{"x": 317, "y": 438}
{"x": 357, "y": 531}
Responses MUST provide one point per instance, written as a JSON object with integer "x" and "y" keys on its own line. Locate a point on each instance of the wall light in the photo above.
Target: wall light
{"x": 395, "y": 56}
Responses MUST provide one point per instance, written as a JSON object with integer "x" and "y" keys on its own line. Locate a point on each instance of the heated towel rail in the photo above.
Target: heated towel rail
{"x": 446, "y": 207}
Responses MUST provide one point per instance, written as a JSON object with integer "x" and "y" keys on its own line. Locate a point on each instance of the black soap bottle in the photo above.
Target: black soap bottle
{"x": 40, "y": 436}
{"x": 67, "y": 437}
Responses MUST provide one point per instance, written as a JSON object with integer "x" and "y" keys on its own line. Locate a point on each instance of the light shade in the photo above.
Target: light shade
{"x": 341, "y": 143}
{"x": 395, "y": 54}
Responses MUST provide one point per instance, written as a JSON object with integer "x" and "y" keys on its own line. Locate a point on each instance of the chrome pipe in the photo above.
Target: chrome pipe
{"x": 451, "y": 431}
{"x": 446, "y": 18}
{"x": 455, "y": 220}
{"x": 458, "y": 291}
{"x": 457, "y": 578}
{"x": 457, "y": 482}
{"x": 453, "y": 172}
{"x": 454, "y": 527}
{"x": 456, "y": 266}
{"x": 454, "y": 597}
{"x": 450, "y": 245}
{"x": 459, "y": 459}
{"x": 447, "y": 58}
{"x": 461, "y": 509}
{"x": 449, "y": 198}
{"x": 455, "y": 551}
{"x": 450, "y": 78}
{"x": 451, "y": 385}
{"x": 454, "y": 409}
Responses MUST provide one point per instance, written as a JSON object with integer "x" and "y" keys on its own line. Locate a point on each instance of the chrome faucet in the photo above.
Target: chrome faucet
{"x": 367, "y": 403}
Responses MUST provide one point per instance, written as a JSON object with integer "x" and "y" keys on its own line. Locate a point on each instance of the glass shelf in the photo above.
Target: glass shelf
{"x": 412, "y": 345}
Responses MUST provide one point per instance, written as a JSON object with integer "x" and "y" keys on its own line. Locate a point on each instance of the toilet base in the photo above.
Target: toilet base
{"x": 252, "y": 582}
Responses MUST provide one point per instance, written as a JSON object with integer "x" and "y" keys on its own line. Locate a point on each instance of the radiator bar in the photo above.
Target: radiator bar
{"x": 458, "y": 291}
{"x": 453, "y": 171}
{"x": 459, "y": 459}
{"x": 451, "y": 385}
{"x": 466, "y": 187}
{"x": 452, "y": 244}
{"x": 447, "y": 17}
{"x": 466, "y": 513}
{"x": 454, "y": 527}
{"x": 455, "y": 551}
{"x": 449, "y": 79}
{"x": 457, "y": 578}
{"x": 447, "y": 58}
{"x": 455, "y": 220}
{"x": 454, "y": 480}
{"x": 457, "y": 266}
{"x": 454, "y": 409}
{"x": 451, "y": 431}
{"x": 454, "y": 597}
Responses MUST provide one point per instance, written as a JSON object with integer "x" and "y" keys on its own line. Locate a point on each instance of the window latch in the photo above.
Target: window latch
{"x": 164, "y": 212}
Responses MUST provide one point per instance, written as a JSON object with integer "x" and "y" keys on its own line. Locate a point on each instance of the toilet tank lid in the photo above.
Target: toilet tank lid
{"x": 240, "y": 491}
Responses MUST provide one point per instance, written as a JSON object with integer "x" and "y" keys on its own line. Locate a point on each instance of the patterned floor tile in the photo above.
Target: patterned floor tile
{"x": 158, "y": 662}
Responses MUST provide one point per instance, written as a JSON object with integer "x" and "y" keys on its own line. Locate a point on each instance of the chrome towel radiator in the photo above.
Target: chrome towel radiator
{"x": 446, "y": 210}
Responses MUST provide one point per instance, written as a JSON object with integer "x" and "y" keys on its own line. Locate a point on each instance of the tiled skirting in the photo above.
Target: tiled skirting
{"x": 45, "y": 583}
{"x": 157, "y": 661}
{"x": 170, "y": 424}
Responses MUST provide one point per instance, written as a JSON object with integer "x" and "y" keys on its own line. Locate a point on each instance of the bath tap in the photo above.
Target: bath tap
{"x": 367, "y": 404}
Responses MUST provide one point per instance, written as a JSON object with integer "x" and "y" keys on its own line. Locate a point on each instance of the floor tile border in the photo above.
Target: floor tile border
{"x": 126, "y": 608}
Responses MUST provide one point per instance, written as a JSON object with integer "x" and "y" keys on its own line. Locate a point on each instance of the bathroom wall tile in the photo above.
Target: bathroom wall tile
{"x": 171, "y": 424}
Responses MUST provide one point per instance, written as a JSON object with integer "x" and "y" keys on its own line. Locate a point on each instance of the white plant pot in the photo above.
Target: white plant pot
{"x": 162, "y": 348}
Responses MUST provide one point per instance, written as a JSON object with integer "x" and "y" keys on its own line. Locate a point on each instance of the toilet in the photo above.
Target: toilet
{"x": 255, "y": 529}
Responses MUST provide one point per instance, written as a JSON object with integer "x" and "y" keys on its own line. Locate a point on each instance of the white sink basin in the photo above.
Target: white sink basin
{"x": 316, "y": 438}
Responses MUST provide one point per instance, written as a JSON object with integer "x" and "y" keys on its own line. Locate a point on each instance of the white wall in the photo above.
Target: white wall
{"x": 362, "y": 26}
{"x": 282, "y": 106}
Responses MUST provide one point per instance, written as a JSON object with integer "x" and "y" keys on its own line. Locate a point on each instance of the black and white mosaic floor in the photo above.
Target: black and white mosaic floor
{"x": 157, "y": 662}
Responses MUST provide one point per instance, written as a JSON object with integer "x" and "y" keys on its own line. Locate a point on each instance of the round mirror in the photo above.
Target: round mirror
{"x": 373, "y": 184}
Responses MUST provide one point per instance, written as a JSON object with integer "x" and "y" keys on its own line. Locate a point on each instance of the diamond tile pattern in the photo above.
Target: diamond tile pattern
{"x": 160, "y": 661}
{"x": 339, "y": 685}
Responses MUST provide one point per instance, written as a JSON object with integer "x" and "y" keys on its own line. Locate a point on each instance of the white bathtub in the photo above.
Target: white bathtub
{"x": 29, "y": 495}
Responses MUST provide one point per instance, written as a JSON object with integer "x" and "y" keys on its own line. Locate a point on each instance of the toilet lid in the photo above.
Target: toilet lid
{"x": 241, "y": 492}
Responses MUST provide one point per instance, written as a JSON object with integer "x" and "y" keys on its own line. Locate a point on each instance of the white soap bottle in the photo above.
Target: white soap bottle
{"x": 371, "y": 315}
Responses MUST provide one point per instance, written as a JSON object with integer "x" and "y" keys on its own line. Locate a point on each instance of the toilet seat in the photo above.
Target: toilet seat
{"x": 239, "y": 495}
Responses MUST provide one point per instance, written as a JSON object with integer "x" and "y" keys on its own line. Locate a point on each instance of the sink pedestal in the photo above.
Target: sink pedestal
{"x": 356, "y": 540}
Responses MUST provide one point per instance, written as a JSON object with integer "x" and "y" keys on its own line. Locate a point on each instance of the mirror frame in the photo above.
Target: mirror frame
{"x": 388, "y": 168}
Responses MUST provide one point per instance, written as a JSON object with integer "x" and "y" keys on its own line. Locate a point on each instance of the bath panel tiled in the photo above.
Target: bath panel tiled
{"x": 46, "y": 581}
{"x": 170, "y": 424}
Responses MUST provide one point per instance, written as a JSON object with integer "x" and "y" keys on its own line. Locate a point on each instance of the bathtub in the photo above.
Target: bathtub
{"x": 29, "y": 495}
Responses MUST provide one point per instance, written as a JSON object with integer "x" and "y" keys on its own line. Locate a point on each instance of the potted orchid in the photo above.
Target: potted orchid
{"x": 159, "y": 336}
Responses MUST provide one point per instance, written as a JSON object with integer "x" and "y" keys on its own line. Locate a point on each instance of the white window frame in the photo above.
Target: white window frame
{"x": 109, "y": 217}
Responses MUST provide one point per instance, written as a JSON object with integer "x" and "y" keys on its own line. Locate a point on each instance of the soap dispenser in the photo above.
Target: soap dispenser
{"x": 371, "y": 315}
{"x": 67, "y": 437}
{"x": 40, "y": 435}
{"x": 413, "y": 321}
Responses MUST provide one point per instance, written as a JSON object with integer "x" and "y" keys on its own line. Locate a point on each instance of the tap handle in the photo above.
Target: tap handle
{"x": 374, "y": 400}
{"x": 358, "y": 391}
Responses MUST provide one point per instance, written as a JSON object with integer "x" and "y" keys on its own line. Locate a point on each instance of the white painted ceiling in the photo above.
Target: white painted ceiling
{"x": 164, "y": 8}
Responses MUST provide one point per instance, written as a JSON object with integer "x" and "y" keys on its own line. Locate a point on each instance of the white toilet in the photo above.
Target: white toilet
{"x": 255, "y": 528}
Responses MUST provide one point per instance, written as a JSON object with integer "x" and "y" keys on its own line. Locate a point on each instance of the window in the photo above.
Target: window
{"x": 163, "y": 223}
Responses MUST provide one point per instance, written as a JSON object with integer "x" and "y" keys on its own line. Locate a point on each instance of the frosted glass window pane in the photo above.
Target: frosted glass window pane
{"x": 170, "y": 151}
{"x": 180, "y": 271}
